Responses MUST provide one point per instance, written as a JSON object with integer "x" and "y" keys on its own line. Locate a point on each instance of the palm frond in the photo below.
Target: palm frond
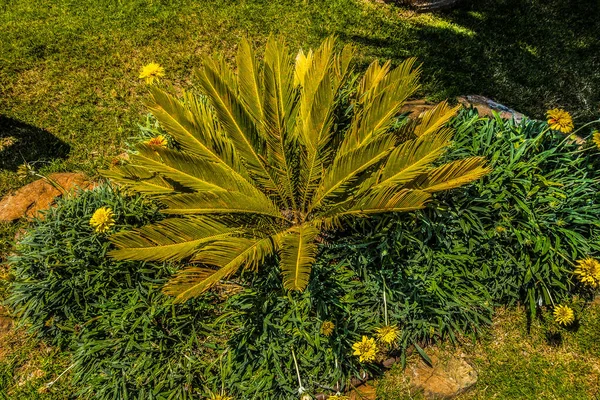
{"x": 451, "y": 175}
{"x": 229, "y": 255}
{"x": 382, "y": 201}
{"x": 170, "y": 239}
{"x": 279, "y": 116}
{"x": 237, "y": 123}
{"x": 249, "y": 80}
{"x": 412, "y": 158}
{"x": 434, "y": 119}
{"x": 374, "y": 74}
{"x": 298, "y": 252}
{"x": 189, "y": 171}
{"x": 139, "y": 179}
{"x": 380, "y": 105}
{"x": 221, "y": 203}
{"x": 342, "y": 175}
{"x": 321, "y": 83}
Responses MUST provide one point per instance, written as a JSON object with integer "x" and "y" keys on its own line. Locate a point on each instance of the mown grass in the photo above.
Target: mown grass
{"x": 68, "y": 69}
{"x": 521, "y": 359}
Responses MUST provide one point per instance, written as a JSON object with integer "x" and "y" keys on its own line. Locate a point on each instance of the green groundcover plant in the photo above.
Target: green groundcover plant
{"x": 127, "y": 339}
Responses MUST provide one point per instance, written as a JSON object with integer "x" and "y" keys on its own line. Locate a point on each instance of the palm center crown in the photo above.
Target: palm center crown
{"x": 275, "y": 152}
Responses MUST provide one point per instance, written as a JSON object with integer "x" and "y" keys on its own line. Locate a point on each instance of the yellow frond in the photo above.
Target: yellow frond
{"x": 412, "y": 158}
{"x": 228, "y": 255}
{"x": 435, "y": 119}
{"x": 221, "y": 203}
{"x": 298, "y": 252}
{"x": 383, "y": 201}
{"x": 249, "y": 80}
{"x": 171, "y": 239}
{"x": 452, "y": 175}
{"x": 378, "y": 106}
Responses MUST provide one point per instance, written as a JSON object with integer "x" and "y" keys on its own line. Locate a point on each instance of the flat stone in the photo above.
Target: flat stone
{"x": 486, "y": 107}
{"x": 448, "y": 376}
{"x": 366, "y": 391}
{"x": 39, "y": 195}
{"x": 414, "y": 108}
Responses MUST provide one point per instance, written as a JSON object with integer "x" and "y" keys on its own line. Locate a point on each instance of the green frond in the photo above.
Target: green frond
{"x": 249, "y": 80}
{"x": 237, "y": 123}
{"x": 346, "y": 169}
{"x": 279, "y": 116}
{"x": 380, "y": 104}
{"x": 412, "y": 158}
{"x": 297, "y": 255}
{"x": 228, "y": 255}
{"x": 170, "y": 239}
{"x": 383, "y": 201}
{"x": 189, "y": 171}
{"x": 452, "y": 175}
{"x": 177, "y": 119}
{"x": 434, "y": 119}
{"x": 221, "y": 203}
{"x": 194, "y": 280}
{"x": 139, "y": 179}
{"x": 321, "y": 84}
{"x": 371, "y": 78}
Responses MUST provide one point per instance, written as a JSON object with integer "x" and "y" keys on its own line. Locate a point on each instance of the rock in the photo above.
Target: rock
{"x": 448, "y": 376}
{"x": 414, "y": 108}
{"x": 485, "y": 107}
{"x": 363, "y": 392}
{"x": 6, "y": 322}
{"x": 39, "y": 195}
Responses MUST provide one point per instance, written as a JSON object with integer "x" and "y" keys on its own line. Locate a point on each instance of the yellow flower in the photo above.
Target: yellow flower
{"x": 387, "y": 334}
{"x": 327, "y": 328}
{"x": 338, "y": 397}
{"x": 564, "y": 315}
{"x": 220, "y": 397}
{"x": 366, "y": 349}
{"x": 102, "y": 220}
{"x": 151, "y": 72}
{"x": 560, "y": 120}
{"x": 596, "y": 138}
{"x": 588, "y": 271}
{"x": 158, "y": 141}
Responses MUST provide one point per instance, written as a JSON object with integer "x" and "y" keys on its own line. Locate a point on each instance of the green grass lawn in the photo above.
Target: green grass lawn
{"x": 70, "y": 95}
{"x": 516, "y": 360}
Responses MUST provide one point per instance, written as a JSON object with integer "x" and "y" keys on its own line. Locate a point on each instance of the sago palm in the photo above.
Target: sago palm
{"x": 273, "y": 153}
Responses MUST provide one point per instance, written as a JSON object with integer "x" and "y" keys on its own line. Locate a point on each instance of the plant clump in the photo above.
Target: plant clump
{"x": 273, "y": 155}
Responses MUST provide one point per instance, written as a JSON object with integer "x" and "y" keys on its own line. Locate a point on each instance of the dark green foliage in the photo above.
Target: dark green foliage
{"x": 433, "y": 295}
{"x": 533, "y": 216}
{"x": 140, "y": 347}
{"x": 62, "y": 271}
{"x": 128, "y": 340}
{"x": 517, "y": 232}
{"x": 271, "y": 323}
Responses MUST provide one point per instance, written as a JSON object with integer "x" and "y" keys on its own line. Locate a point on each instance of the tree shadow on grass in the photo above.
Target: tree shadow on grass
{"x": 20, "y": 142}
{"x": 530, "y": 55}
